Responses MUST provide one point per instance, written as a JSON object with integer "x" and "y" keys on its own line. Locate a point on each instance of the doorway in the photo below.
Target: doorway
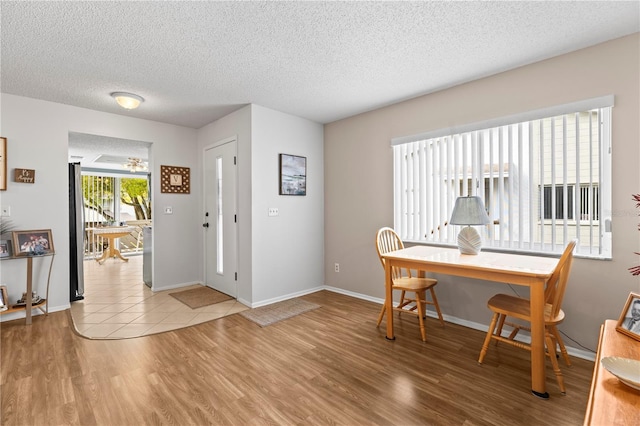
{"x": 113, "y": 187}
{"x": 220, "y": 217}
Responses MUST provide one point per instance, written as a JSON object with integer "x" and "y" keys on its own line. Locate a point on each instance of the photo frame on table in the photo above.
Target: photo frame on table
{"x": 4, "y": 298}
{"x": 32, "y": 243}
{"x": 293, "y": 175}
{"x": 5, "y": 248}
{"x": 629, "y": 321}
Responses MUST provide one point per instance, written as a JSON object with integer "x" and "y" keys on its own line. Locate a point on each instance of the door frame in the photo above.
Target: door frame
{"x": 204, "y": 196}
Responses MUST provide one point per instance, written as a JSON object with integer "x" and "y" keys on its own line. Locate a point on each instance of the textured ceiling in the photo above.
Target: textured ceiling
{"x": 195, "y": 62}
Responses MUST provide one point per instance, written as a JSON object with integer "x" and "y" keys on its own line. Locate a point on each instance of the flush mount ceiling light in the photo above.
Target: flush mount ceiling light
{"x": 127, "y": 100}
{"x": 135, "y": 165}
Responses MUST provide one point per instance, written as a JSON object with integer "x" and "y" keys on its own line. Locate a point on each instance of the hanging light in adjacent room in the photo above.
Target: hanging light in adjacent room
{"x": 127, "y": 100}
{"x": 135, "y": 165}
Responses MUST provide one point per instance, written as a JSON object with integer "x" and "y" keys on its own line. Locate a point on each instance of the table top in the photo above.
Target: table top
{"x": 611, "y": 402}
{"x": 517, "y": 264}
{"x": 112, "y": 230}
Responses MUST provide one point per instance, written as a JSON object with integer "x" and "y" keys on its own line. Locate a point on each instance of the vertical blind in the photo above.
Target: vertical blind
{"x": 544, "y": 182}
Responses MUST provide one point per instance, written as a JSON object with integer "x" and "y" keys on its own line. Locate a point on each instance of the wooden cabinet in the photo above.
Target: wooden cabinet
{"x": 28, "y": 307}
{"x": 611, "y": 402}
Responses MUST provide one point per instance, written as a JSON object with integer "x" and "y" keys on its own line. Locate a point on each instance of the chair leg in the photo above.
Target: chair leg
{"x": 514, "y": 333}
{"x": 437, "y": 306}
{"x": 501, "y": 318}
{"x": 563, "y": 350}
{"x": 420, "y": 297}
{"x": 487, "y": 339}
{"x": 382, "y": 312}
{"x": 402, "y": 302}
{"x": 551, "y": 348}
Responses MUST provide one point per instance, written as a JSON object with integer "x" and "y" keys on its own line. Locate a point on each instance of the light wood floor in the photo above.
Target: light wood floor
{"x": 327, "y": 366}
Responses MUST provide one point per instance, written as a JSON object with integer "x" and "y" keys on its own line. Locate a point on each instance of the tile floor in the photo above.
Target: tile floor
{"x": 119, "y": 305}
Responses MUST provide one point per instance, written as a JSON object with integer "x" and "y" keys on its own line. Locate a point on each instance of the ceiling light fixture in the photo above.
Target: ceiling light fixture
{"x": 127, "y": 100}
{"x": 135, "y": 165}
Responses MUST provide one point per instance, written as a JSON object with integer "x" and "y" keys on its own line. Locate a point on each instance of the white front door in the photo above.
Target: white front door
{"x": 220, "y": 220}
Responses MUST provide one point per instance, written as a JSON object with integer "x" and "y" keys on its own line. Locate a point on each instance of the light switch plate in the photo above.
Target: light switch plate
{"x": 168, "y": 210}
{"x": 273, "y": 211}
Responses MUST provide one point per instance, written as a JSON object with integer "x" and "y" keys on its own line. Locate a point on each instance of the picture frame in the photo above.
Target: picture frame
{"x": 3, "y": 164}
{"x": 5, "y": 248}
{"x": 4, "y": 298}
{"x": 32, "y": 243}
{"x": 175, "y": 180}
{"x": 293, "y": 175}
{"x": 629, "y": 321}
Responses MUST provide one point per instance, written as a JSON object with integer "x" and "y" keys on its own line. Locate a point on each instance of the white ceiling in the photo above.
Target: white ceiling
{"x": 195, "y": 62}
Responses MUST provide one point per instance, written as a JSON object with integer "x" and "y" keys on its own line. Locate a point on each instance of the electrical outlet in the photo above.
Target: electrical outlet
{"x": 337, "y": 267}
{"x": 5, "y": 211}
{"x": 273, "y": 211}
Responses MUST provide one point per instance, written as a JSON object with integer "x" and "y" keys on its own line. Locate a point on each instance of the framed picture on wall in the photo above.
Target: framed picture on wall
{"x": 629, "y": 321}
{"x": 293, "y": 175}
{"x": 3, "y": 164}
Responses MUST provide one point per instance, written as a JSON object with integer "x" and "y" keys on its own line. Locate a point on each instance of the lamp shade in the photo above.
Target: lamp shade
{"x": 127, "y": 100}
{"x": 469, "y": 211}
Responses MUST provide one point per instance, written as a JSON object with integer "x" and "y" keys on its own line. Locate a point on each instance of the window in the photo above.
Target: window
{"x": 548, "y": 202}
{"x": 544, "y": 177}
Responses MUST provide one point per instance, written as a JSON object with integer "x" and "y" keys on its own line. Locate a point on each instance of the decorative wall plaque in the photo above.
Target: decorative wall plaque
{"x": 25, "y": 176}
{"x": 174, "y": 180}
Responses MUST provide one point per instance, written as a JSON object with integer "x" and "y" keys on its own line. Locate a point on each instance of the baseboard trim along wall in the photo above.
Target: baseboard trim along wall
{"x": 578, "y": 353}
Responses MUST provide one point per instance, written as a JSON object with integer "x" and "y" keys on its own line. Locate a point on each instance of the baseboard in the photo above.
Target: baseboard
{"x": 578, "y": 353}
{"x": 281, "y": 298}
{"x": 174, "y": 286}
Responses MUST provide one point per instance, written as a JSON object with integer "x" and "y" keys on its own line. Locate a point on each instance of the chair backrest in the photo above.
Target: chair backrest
{"x": 386, "y": 241}
{"x": 554, "y": 292}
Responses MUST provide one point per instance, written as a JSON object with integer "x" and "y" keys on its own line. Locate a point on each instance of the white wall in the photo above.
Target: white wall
{"x": 359, "y": 193}
{"x": 279, "y": 257}
{"x": 288, "y": 250}
{"x": 37, "y": 133}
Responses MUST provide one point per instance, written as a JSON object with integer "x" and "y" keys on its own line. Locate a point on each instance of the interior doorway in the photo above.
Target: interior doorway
{"x": 114, "y": 187}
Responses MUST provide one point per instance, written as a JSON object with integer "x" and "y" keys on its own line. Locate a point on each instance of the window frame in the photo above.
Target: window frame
{"x": 599, "y": 192}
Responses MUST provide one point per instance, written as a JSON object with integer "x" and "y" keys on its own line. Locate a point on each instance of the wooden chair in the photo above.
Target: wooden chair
{"x": 504, "y": 306}
{"x": 386, "y": 241}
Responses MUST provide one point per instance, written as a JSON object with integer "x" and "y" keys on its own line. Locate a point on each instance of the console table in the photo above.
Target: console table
{"x": 43, "y": 304}
{"x": 611, "y": 402}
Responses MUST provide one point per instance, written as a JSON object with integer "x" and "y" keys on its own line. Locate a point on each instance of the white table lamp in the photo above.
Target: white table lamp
{"x": 469, "y": 211}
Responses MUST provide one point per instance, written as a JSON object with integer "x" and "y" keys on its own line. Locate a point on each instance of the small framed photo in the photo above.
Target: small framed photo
{"x": 5, "y": 248}
{"x": 32, "y": 243}
{"x": 4, "y": 298}
{"x": 293, "y": 175}
{"x": 629, "y": 322}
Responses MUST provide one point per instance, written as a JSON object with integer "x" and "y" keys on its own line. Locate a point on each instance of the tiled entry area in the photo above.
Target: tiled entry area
{"x": 119, "y": 305}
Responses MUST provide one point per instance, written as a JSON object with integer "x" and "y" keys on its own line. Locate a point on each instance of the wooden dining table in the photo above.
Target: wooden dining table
{"x": 523, "y": 270}
{"x": 111, "y": 233}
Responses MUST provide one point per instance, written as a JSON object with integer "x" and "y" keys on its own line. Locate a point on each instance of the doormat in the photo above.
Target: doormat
{"x": 270, "y": 314}
{"x": 199, "y": 297}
